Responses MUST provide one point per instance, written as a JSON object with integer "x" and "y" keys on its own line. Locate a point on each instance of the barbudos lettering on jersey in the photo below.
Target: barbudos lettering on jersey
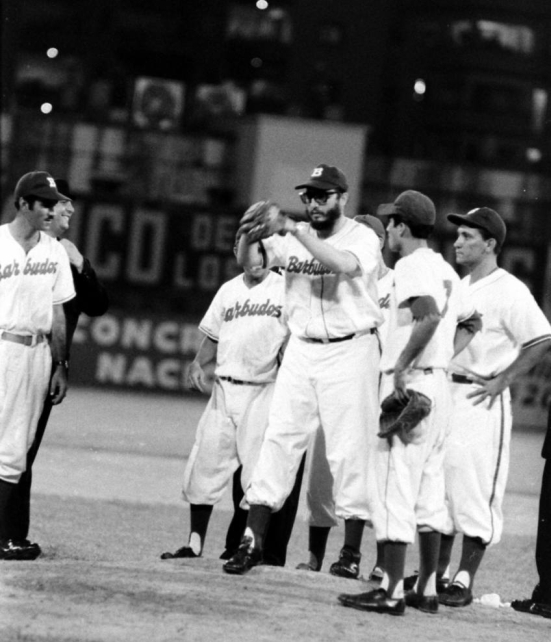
{"x": 251, "y": 310}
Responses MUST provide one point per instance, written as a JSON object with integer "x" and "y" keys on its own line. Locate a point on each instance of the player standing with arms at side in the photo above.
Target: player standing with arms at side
{"x": 515, "y": 335}
{"x": 245, "y": 330}
{"x": 91, "y": 299}
{"x": 329, "y": 374}
{"x": 407, "y": 475}
{"x": 319, "y": 495}
{"x": 36, "y": 282}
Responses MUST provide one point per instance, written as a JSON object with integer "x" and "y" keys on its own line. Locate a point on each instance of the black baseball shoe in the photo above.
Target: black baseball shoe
{"x": 425, "y": 603}
{"x": 375, "y": 601}
{"x": 13, "y": 549}
{"x": 245, "y": 558}
{"x": 348, "y": 564}
{"x": 456, "y": 595}
{"x": 529, "y": 606}
{"x": 442, "y": 583}
{"x": 185, "y": 551}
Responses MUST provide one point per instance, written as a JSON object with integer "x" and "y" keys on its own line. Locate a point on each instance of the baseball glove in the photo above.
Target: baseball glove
{"x": 262, "y": 220}
{"x": 401, "y": 417}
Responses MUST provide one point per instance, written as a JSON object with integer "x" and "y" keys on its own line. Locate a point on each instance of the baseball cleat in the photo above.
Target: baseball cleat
{"x": 185, "y": 551}
{"x": 456, "y": 595}
{"x": 425, "y": 603}
{"x": 375, "y": 601}
{"x": 442, "y": 583}
{"x": 348, "y": 565}
{"x": 529, "y": 606}
{"x": 11, "y": 549}
{"x": 245, "y": 558}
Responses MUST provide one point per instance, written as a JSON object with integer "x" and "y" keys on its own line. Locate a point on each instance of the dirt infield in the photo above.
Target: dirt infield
{"x": 106, "y": 506}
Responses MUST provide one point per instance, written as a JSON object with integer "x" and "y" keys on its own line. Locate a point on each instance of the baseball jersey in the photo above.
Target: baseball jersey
{"x": 423, "y": 273}
{"x": 250, "y": 326}
{"x": 30, "y": 284}
{"x": 320, "y": 303}
{"x": 511, "y": 320}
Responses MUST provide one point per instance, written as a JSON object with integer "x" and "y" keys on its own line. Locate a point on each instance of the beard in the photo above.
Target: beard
{"x": 329, "y": 222}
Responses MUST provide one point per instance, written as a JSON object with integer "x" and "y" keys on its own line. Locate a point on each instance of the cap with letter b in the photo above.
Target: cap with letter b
{"x": 326, "y": 177}
{"x": 485, "y": 219}
{"x": 39, "y": 184}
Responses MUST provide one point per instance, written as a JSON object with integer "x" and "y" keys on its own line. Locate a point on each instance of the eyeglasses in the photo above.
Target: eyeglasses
{"x": 320, "y": 196}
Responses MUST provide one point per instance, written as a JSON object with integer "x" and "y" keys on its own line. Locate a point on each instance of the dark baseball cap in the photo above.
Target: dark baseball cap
{"x": 63, "y": 188}
{"x": 412, "y": 206}
{"x": 374, "y": 223}
{"x": 39, "y": 184}
{"x": 485, "y": 219}
{"x": 326, "y": 177}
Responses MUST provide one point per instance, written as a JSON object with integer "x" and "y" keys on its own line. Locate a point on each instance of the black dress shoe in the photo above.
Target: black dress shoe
{"x": 185, "y": 551}
{"x": 245, "y": 558}
{"x": 425, "y": 603}
{"x": 376, "y": 601}
{"x": 11, "y": 549}
{"x": 529, "y": 606}
{"x": 456, "y": 595}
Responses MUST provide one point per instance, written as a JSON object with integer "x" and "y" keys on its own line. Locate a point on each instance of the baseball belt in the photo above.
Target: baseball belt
{"x": 238, "y": 382}
{"x": 23, "y": 339}
{"x": 337, "y": 339}
{"x": 457, "y": 378}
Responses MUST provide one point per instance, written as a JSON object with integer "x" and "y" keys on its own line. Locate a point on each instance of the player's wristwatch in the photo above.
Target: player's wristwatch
{"x": 62, "y": 362}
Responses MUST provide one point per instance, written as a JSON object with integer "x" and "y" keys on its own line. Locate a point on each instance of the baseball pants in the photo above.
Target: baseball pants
{"x": 477, "y": 465}
{"x": 407, "y": 481}
{"x": 332, "y": 385}
{"x": 229, "y": 434}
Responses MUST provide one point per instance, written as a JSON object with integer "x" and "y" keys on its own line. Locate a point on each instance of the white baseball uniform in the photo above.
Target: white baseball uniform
{"x": 319, "y": 493}
{"x": 477, "y": 449}
{"x": 407, "y": 481}
{"x": 250, "y": 328}
{"x": 329, "y": 372}
{"x": 30, "y": 285}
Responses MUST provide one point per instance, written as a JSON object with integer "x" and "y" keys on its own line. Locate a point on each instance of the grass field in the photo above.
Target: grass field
{"x": 106, "y": 504}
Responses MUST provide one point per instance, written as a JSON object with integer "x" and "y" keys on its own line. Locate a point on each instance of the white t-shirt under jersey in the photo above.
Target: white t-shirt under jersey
{"x": 320, "y": 303}
{"x": 249, "y": 325}
{"x": 30, "y": 284}
{"x": 511, "y": 320}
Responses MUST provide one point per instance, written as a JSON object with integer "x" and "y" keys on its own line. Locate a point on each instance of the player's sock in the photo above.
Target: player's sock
{"x": 380, "y": 562}
{"x": 394, "y": 566}
{"x": 199, "y": 518}
{"x": 471, "y": 556}
{"x": 6, "y": 493}
{"x": 317, "y": 544}
{"x": 446, "y": 546}
{"x": 429, "y": 549}
{"x": 353, "y": 532}
{"x": 257, "y": 522}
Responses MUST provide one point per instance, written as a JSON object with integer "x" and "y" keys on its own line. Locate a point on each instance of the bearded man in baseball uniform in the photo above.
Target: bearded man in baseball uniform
{"x": 245, "y": 330}
{"x": 329, "y": 373}
{"x": 319, "y": 495}
{"x": 407, "y": 475}
{"x": 515, "y": 335}
{"x": 35, "y": 282}
{"x": 91, "y": 299}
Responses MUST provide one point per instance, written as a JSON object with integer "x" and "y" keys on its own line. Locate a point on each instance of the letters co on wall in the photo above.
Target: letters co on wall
{"x": 162, "y": 258}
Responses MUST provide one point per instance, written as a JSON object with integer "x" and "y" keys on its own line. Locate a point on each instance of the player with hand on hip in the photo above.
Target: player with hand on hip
{"x": 515, "y": 335}
{"x": 329, "y": 373}
{"x": 91, "y": 299}
{"x": 245, "y": 330}
{"x": 36, "y": 282}
{"x": 407, "y": 474}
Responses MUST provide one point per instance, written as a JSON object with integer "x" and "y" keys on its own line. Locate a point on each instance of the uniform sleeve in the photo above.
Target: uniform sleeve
{"x": 64, "y": 288}
{"x": 366, "y": 248}
{"x": 212, "y": 321}
{"x": 275, "y": 247}
{"x": 524, "y": 320}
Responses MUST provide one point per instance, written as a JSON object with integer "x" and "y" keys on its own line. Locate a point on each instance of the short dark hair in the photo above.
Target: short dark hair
{"x": 487, "y": 236}
{"x": 418, "y": 231}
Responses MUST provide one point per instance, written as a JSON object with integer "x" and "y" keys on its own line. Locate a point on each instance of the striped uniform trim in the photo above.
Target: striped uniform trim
{"x": 533, "y": 342}
{"x": 498, "y": 463}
